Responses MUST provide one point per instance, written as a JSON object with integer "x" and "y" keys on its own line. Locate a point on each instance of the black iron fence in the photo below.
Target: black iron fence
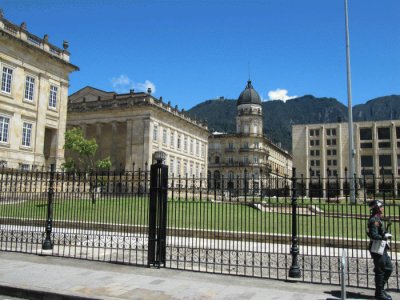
{"x": 265, "y": 226}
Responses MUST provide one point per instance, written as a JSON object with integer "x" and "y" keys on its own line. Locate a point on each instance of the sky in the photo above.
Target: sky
{"x": 192, "y": 51}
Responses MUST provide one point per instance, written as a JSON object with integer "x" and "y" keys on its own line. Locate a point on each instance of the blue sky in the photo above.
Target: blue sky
{"x": 191, "y": 51}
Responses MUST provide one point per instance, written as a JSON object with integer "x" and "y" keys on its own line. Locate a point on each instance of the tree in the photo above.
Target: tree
{"x": 84, "y": 151}
{"x": 83, "y": 158}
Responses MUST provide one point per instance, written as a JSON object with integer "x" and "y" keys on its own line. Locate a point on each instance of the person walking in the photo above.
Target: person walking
{"x": 378, "y": 248}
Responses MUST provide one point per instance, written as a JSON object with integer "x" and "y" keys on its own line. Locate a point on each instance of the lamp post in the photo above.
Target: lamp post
{"x": 350, "y": 111}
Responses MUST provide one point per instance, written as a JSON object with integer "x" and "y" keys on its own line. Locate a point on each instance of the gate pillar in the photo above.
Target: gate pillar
{"x": 158, "y": 211}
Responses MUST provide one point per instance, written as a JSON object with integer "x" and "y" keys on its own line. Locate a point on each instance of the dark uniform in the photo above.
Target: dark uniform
{"x": 382, "y": 263}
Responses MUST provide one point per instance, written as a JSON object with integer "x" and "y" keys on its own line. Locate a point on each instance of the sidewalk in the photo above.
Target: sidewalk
{"x": 45, "y": 277}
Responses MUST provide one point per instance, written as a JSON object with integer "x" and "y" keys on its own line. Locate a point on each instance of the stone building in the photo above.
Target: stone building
{"x": 130, "y": 127}
{"x": 33, "y": 98}
{"x": 247, "y": 151}
{"x": 322, "y": 149}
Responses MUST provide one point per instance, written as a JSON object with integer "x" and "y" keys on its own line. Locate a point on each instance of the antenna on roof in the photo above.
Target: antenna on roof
{"x": 248, "y": 69}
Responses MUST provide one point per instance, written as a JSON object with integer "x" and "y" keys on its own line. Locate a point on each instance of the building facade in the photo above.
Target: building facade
{"x": 33, "y": 98}
{"x": 321, "y": 150}
{"x": 130, "y": 127}
{"x": 247, "y": 153}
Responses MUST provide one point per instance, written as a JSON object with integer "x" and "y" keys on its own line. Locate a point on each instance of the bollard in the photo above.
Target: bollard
{"x": 343, "y": 274}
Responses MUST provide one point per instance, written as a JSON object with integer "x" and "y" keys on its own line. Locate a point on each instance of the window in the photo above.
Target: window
{"x": 230, "y": 145}
{"x": 230, "y": 160}
{"x": 191, "y": 146}
{"x": 197, "y": 148}
{"x": 171, "y": 165}
{"x": 164, "y": 136}
{"x": 317, "y": 162}
{"x": 4, "y": 127}
{"x": 334, "y": 132}
{"x": 29, "y": 87}
{"x": 365, "y": 134}
{"x": 329, "y": 162}
{"x": 384, "y": 144}
{"x": 246, "y": 145}
{"x": 26, "y": 134}
{"x": 185, "y": 144}
{"x": 316, "y": 142}
{"x": 178, "y": 168}
{"x": 6, "y": 80}
{"x": 334, "y": 152}
{"x": 316, "y": 152}
{"x": 312, "y": 152}
{"x": 217, "y": 159}
{"x": 316, "y": 132}
{"x": 365, "y": 145}
{"x": 367, "y": 161}
{"x": 311, "y": 132}
{"x": 24, "y": 167}
{"x": 311, "y": 142}
{"x": 255, "y": 159}
{"x": 171, "y": 140}
{"x": 398, "y": 133}
{"x": 385, "y": 160}
{"x": 185, "y": 168}
{"x": 328, "y": 152}
{"x": 178, "y": 142}
{"x": 53, "y": 96}
{"x": 384, "y": 133}
{"x": 202, "y": 150}
{"x": 155, "y": 133}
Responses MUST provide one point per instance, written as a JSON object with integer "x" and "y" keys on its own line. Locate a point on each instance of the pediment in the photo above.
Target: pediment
{"x": 88, "y": 94}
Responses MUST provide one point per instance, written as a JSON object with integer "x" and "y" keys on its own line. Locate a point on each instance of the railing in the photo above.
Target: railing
{"x": 244, "y": 226}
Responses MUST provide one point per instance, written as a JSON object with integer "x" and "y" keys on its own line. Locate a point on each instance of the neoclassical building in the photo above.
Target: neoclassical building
{"x": 231, "y": 155}
{"x": 33, "y": 98}
{"x": 130, "y": 127}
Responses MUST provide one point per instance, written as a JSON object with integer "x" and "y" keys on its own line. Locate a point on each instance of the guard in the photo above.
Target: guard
{"x": 378, "y": 248}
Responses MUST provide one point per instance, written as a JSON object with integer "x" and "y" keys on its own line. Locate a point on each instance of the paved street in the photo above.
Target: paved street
{"x": 62, "y": 278}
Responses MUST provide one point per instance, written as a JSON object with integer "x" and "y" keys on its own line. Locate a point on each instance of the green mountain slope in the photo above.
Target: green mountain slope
{"x": 279, "y": 116}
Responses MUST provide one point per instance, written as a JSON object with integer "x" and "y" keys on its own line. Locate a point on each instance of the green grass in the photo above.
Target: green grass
{"x": 337, "y": 220}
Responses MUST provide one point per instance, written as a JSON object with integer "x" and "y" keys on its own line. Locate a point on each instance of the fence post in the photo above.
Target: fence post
{"x": 158, "y": 211}
{"x": 343, "y": 266}
{"x": 294, "y": 270}
{"x": 47, "y": 244}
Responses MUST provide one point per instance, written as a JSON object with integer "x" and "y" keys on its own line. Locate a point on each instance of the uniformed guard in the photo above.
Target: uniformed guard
{"x": 378, "y": 248}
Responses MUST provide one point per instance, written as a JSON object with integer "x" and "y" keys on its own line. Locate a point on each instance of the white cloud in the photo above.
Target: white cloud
{"x": 123, "y": 84}
{"x": 280, "y": 94}
{"x": 144, "y": 86}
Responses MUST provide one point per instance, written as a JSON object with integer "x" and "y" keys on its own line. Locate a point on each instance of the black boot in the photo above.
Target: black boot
{"x": 387, "y": 295}
{"x": 381, "y": 295}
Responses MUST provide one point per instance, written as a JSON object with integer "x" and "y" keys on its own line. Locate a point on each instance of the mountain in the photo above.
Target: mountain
{"x": 279, "y": 116}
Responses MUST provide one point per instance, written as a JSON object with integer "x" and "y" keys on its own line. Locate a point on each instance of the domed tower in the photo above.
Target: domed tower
{"x": 249, "y": 118}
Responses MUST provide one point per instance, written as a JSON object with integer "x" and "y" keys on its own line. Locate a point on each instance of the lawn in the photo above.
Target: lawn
{"x": 333, "y": 220}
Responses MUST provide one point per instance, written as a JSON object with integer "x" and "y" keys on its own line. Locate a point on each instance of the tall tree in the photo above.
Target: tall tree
{"x": 83, "y": 158}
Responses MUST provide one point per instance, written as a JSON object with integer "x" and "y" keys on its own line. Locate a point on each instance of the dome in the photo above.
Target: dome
{"x": 249, "y": 96}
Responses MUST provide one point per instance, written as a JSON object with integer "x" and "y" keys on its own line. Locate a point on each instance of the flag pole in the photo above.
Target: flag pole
{"x": 350, "y": 112}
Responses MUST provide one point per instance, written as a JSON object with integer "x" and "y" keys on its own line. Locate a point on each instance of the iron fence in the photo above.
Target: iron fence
{"x": 265, "y": 226}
